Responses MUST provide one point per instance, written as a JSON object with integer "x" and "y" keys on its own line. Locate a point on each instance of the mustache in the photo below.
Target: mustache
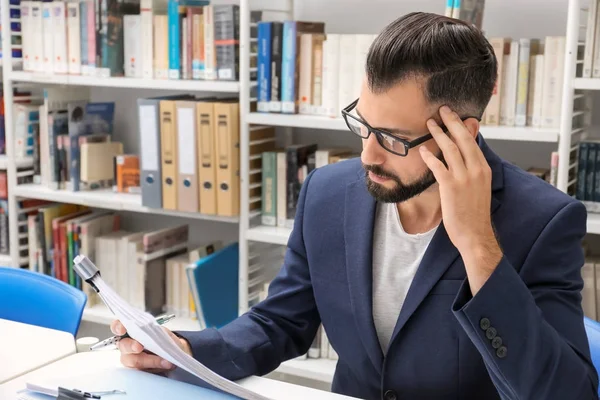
{"x": 377, "y": 170}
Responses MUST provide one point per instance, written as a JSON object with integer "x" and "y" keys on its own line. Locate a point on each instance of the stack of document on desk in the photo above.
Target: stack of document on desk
{"x": 142, "y": 327}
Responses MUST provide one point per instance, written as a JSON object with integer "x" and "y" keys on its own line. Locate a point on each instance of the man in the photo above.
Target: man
{"x": 438, "y": 270}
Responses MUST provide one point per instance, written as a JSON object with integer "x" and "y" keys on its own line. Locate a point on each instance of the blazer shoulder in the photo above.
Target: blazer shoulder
{"x": 334, "y": 177}
{"x": 527, "y": 191}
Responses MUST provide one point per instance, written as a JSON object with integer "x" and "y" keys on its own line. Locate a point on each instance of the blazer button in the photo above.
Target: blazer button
{"x": 390, "y": 395}
{"x": 484, "y": 323}
{"x": 490, "y": 333}
{"x": 497, "y": 342}
{"x": 501, "y": 352}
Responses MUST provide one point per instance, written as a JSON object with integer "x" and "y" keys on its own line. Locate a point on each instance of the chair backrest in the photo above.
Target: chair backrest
{"x": 592, "y": 329}
{"x": 41, "y": 300}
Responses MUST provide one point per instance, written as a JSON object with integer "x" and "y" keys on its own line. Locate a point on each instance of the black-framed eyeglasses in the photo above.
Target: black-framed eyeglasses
{"x": 388, "y": 141}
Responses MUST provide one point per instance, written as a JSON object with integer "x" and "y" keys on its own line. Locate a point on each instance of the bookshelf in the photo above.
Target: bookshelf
{"x": 22, "y": 163}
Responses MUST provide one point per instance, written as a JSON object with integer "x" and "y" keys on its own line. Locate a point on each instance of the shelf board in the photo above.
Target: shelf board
{"x": 489, "y": 132}
{"x": 320, "y": 369}
{"x": 586, "y": 83}
{"x": 593, "y": 223}
{"x": 269, "y": 234}
{"x": 122, "y": 82}
{"x": 107, "y": 199}
{"x": 100, "y": 314}
{"x": 21, "y": 163}
{"x": 5, "y": 260}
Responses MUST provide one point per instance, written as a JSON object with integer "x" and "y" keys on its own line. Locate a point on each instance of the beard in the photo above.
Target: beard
{"x": 401, "y": 191}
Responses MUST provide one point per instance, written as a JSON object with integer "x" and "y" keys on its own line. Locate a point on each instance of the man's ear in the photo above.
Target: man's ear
{"x": 472, "y": 125}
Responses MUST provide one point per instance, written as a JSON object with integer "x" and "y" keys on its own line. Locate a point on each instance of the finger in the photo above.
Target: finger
{"x": 436, "y": 166}
{"x": 130, "y": 346}
{"x": 117, "y": 327}
{"x": 462, "y": 137}
{"x": 145, "y": 361}
{"x": 449, "y": 149}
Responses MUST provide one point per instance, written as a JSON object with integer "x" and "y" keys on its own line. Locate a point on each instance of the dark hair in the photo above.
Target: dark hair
{"x": 454, "y": 58}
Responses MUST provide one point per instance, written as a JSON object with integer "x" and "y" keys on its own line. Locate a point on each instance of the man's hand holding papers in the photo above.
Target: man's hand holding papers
{"x": 134, "y": 356}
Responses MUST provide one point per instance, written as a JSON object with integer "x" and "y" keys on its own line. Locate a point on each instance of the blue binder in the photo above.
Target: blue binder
{"x": 138, "y": 385}
{"x": 214, "y": 285}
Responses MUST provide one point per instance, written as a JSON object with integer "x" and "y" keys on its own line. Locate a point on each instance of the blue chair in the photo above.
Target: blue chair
{"x": 592, "y": 328}
{"x": 41, "y": 300}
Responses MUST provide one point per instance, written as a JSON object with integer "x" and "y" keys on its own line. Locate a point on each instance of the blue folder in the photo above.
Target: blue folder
{"x": 214, "y": 282}
{"x": 138, "y": 385}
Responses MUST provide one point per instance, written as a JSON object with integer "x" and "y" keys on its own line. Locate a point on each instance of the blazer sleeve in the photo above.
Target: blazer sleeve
{"x": 279, "y": 328}
{"x": 528, "y": 325}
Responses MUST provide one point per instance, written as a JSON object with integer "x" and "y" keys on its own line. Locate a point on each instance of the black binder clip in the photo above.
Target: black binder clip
{"x": 76, "y": 394}
{"x": 67, "y": 394}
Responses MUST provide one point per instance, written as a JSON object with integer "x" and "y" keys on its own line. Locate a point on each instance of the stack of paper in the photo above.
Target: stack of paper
{"x": 142, "y": 327}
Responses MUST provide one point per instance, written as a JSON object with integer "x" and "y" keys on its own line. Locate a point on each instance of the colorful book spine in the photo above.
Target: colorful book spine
{"x": 174, "y": 39}
{"x": 264, "y": 66}
{"x": 288, "y": 68}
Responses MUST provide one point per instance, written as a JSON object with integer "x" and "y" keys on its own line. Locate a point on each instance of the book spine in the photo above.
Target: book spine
{"x": 73, "y": 34}
{"x": 91, "y": 37}
{"x": 331, "y": 65}
{"x": 146, "y": 38}
{"x": 582, "y": 170}
{"x": 198, "y": 45}
{"x": 590, "y": 170}
{"x": 275, "y": 101}
{"x": 590, "y": 34}
{"x": 174, "y": 39}
{"x": 210, "y": 57}
{"x": 288, "y": 68}
{"x": 83, "y": 29}
{"x": 132, "y": 45}
{"x": 264, "y": 66}
{"x": 226, "y": 20}
{"x": 269, "y": 188}
{"x": 48, "y": 42}
{"x": 523, "y": 82}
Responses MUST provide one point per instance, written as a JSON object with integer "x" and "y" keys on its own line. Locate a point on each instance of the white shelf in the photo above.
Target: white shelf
{"x": 121, "y": 82}
{"x": 21, "y": 163}
{"x": 107, "y": 199}
{"x": 586, "y": 83}
{"x": 100, "y": 314}
{"x": 317, "y": 122}
{"x": 297, "y": 121}
{"x": 269, "y": 234}
{"x": 5, "y": 260}
{"x": 320, "y": 369}
{"x": 593, "y": 223}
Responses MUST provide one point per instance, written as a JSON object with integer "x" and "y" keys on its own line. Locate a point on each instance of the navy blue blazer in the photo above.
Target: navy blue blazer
{"x": 521, "y": 337}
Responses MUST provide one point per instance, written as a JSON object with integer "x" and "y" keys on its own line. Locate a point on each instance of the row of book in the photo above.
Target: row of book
{"x": 190, "y": 154}
{"x": 182, "y": 39}
{"x": 588, "y": 171}
{"x": 528, "y": 89}
{"x": 283, "y": 173}
{"x": 154, "y": 270}
{"x": 69, "y": 138}
{"x": 527, "y": 93}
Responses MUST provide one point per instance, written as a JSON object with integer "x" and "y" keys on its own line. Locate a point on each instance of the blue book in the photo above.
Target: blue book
{"x": 174, "y": 39}
{"x": 214, "y": 283}
{"x": 264, "y": 66}
{"x": 288, "y": 68}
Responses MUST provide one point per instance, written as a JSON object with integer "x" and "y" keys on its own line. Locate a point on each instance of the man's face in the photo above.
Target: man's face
{"x": 403, "y": 111}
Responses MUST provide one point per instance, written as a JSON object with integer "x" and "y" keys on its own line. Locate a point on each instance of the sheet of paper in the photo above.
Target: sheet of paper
{"x": 142, "y": 327}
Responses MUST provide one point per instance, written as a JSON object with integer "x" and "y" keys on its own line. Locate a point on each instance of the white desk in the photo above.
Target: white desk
{"x": 24, "y": 348}
{"x": 91, "y": 362}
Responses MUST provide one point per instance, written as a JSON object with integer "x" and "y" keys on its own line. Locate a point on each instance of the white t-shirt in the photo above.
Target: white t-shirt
{"x": 396, "y": 258}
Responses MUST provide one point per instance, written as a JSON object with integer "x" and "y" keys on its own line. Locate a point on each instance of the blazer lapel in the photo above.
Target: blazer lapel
{"x": 441, "y": 253}
{"x": 358, "y": 232}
